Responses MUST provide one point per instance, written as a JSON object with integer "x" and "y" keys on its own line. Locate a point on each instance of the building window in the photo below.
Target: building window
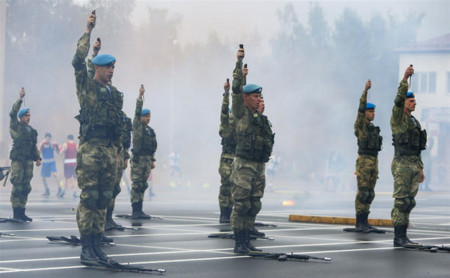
{"x": 425, "y": 82}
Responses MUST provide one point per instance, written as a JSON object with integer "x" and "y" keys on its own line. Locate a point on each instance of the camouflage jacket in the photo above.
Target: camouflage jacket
{"x": 144, "y": 137}
{"x": 406, "y": 130}
{"x": 368, "y": 135}
{"x": 253, "y": 131}
{"x": 227, "y": 129}
{"x": 24, "y": 137}
{"x": 100, "y": 107}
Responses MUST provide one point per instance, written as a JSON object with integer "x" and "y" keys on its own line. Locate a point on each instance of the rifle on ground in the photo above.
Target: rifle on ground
{"x": 259, "y": 224}
{"x": 126, "y": 268}
{"x": 74, "y": 240}
{"x": 430, "y": 248}
{"x": 285, "y": 256}
{"x": 231, "y": 236}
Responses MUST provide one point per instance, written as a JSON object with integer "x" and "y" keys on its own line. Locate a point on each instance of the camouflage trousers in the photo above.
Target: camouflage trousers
{"x": 96, "y": 174}
{"x": 21, "y": 174}
{"x": 117, "y": 189}
{"x": 366, "y": 176}
{"x": 225, "y": 200}
{"x": 406, "y": 173}
{"x": 249, "y": 181}
{"x": 140, "y": 171}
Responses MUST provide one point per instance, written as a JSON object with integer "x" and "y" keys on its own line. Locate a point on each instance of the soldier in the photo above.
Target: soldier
{"x": 99, "y": 147}
{"x": 123, "y": 156}
{"x": 254, "y": 146}
{"x": 369, "y": 144}
{"x": 23, "y": 153}
{"x": 144, "y": 147}
{"x": 227, "y": 131}
{"x": 407, "y": 168}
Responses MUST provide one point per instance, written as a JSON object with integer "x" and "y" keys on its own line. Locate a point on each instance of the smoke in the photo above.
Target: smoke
{"x": 312, "y": 60}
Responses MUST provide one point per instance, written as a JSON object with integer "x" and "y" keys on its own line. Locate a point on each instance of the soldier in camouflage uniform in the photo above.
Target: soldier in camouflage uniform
{"x": 124, "y": 156}
{"x": 23, "y": 153}
{"x": 101, "y": 121}
{"x": 369, "y": 144}
{"x": 227, "y": 131}
{"x": 407, "y": 168}
{"x": 144, "y": 147}
{"x": 254, "y": 147}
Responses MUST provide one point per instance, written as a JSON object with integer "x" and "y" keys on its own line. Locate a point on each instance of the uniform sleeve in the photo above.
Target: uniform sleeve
{"x": 399, "y": 104}
{"x": 238, "y": 100}
{"x": 225, "y": 115}
{"x": 90, "y": 66}
{"x": 14, "y": 122}
{"x": 79, "y": 64}
{"x": 359, "y": 123}
{"x": 137, "y": 126}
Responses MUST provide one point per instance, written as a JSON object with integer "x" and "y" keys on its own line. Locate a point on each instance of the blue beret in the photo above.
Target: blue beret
{"x": 22, "y": 112}
{"x": 145, "y": 112}
{"x": 410, "y": 95}
{"x": 370, "y": 106}
{"x": 252, "y": 89}
{"x": 103, "y": 60}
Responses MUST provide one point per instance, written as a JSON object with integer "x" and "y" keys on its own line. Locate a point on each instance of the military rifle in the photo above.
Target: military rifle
{"x": 430, "y": 248}
{"x": 74, "y": 240}
{"x": 231, "y": 236}
{"x": 285, "y": 256}
{"x": 126, "y": 268}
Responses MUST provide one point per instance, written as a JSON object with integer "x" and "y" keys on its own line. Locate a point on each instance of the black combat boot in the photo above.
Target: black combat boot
{"x": 399, "y": 237}
{"x": 137, "y": 211}
{"x": 366, "y": 223}
{"x": 224, "y": 218}
{"x": 409, "y": 242}
{"x": 102, "y": 257}
{"x": 23, "y": 216}
{"x": 239, "y": 245}
{"x": 360, "y": 223}
{"x": 110, "y": 223}
{"x": 87, "y": 256}
{"x": 247, "y": 242}
{"x": 17, "y": 215}
{"x": 255, "y": 232}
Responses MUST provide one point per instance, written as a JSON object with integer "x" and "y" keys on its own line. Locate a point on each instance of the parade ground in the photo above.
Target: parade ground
{"x": 179, "y": 243}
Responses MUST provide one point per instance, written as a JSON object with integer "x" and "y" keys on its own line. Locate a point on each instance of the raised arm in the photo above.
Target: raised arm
{"x": 399, "y": 103}
{"x": 225, "y": 113}
{"x": 238, "y": 81}
{"x": 95, "y": 50}
{"x": 79, "y": 60}
{"x": 360, "y": 118}
{"x": 14, "y": 122}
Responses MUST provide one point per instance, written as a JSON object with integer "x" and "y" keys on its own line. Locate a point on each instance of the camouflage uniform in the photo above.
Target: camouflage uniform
{"x": 124, "y": 155}
{"x": 369, "y": 143}
{"x": 22, "y": 155}
{"x": 409, "y": 140}
{"x": 100, "y": 143}
{"x": 227, "y": 131}
{"x": 254, "y": 146}
{"x": 144, "y": 147}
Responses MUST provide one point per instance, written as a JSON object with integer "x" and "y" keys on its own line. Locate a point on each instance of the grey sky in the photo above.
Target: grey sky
{"x": 235, "y": 20}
